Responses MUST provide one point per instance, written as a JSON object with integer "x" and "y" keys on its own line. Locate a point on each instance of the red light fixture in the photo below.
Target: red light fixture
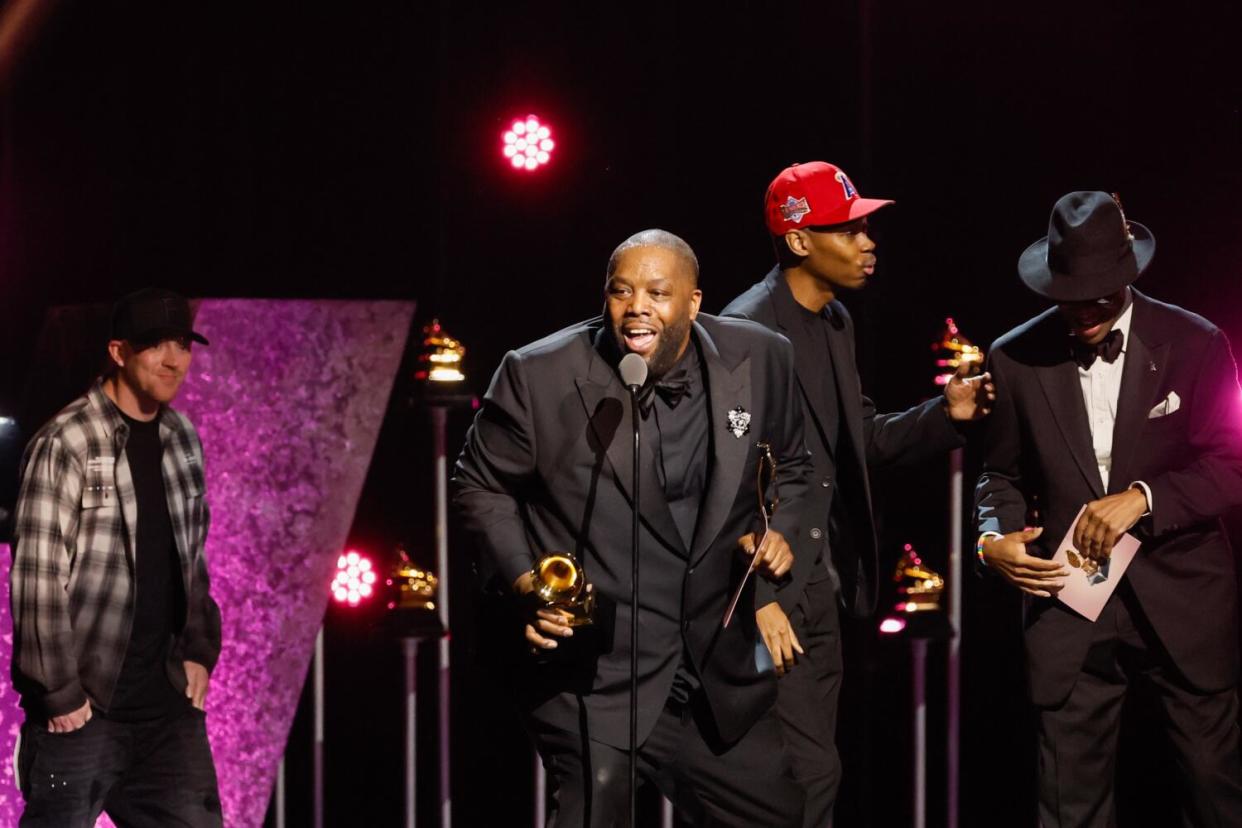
{"x": 355, "y": 578}
{"x": 527, "y": 143}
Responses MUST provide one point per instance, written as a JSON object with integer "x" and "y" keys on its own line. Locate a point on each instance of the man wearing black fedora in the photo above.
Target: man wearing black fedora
{"x": 1130, "y": 408}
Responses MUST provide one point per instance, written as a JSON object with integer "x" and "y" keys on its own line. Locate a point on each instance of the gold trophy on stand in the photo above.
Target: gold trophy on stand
{"x": 561, "y": 584}
{"x": 411, "y": 599}
{"x": 918, "y": 586}
{"x": 957, "y": 350}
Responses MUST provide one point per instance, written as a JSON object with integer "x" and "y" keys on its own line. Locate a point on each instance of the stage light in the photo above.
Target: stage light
{"x": 891, "y": 626}
{"x": 527, "y": 144}
{"x": 355, "y": 578}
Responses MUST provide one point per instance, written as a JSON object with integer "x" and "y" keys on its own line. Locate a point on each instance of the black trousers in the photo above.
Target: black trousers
{"x": 807, "y": 701}
{"x": 747, "y": 783}
{"x": 154, "y": 774}
{"x": 1078, "y": 739}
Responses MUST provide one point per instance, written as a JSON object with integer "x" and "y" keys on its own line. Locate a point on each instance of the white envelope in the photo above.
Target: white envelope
{"x": 1087, "y": 589}
{"x": 1166, "y": 406}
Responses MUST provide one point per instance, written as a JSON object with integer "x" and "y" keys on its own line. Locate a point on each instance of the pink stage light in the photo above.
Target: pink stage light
{"x": 527, "y": 143}
{"x": 355, "y": 579}
{"x": 891, "y": 626}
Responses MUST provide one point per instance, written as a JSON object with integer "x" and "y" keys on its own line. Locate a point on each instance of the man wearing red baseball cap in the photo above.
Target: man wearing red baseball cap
{"x": 818, "y": 223}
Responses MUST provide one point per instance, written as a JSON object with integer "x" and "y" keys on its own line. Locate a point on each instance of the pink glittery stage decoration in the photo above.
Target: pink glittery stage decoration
{"x": 288, "y": 401}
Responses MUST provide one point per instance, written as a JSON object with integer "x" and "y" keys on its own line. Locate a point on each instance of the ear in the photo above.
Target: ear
{"x": 795, "y": 240}
{"x": 118, "y": 352}
{"x": 696, "y": 299}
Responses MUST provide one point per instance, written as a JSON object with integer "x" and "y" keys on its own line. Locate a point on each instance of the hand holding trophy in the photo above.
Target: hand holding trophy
{"x": 560, "y": 584}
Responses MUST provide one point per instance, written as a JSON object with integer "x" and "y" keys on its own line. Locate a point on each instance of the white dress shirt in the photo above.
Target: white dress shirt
{"x": 1101, "y": 386}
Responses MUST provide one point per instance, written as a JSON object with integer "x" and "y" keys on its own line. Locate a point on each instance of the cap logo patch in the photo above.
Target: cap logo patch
{"x": 795, "y": 209}
{"x": 844, "y": 181}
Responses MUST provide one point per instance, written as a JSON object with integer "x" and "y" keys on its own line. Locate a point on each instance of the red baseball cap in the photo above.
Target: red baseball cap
{"x": 814, "y": 194}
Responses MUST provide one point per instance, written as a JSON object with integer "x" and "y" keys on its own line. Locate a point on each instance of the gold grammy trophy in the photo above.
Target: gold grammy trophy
{"x": 411, "y": 594}
{"x": 957, "y": 351}
{"x": 918, "y": 586}
{"x": 561, "y": 584}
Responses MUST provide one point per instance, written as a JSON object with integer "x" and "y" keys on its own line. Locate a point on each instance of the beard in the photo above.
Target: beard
{"x": 665, "y": 355}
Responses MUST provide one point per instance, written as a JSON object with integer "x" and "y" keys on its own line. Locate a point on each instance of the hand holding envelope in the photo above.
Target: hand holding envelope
{"x": 1101, "y": 523}
{"x": 1092, "y": 580}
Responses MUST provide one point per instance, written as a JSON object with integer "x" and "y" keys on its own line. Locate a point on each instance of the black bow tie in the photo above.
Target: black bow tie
{"x": 670, "y": 389}
{"x": 1108, "y": 349}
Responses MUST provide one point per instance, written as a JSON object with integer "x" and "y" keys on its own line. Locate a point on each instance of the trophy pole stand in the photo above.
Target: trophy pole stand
{"x": 280, "y": 794}
{"x": 957, "y": 353}
{"x": 918, "y": 651}
{"x": 409, "y": 649}
{"x": 541, "y": 793}
{"x": 917, "y": 619}
{"x": 439, "y": 418}
{"x": 317, "y": 747}
{"x": 953, "y": 719}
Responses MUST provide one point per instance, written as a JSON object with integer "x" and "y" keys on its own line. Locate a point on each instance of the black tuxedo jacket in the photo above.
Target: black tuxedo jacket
{"x": 1039, "y": 456}
{"x": 547, "y": 466}
{"x": 865, "y": 437}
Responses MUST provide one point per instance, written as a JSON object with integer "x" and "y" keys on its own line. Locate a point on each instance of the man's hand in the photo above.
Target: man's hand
{"x": 775, "y": 558}
{"x": 1104, "y": 521}
{"x": 778, "y": 634}
{"x": 969, "y": 398}
{"x": 1034, "y": 576}
{"x": 543, "y": 625}
{"x": 196, "y": 677}
{"x": 70, "y": 722}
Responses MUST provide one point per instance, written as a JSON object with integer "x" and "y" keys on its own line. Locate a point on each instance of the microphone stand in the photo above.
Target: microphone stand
{"x": 633, "y": 375}
{"x": 634, "y": 619}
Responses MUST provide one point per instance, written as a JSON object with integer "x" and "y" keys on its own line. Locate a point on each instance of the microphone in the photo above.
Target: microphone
{"x": 633, "y": 371}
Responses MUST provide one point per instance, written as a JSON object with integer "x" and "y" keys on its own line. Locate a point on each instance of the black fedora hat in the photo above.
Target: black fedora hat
{"x": 1091, "y": 251}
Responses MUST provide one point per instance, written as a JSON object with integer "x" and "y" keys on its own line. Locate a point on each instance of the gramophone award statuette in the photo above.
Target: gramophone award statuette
{"x": 560, "y": 583}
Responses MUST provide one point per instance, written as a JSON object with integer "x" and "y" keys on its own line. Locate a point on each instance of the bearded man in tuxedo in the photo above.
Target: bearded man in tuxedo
{"x": 547, "y": 467}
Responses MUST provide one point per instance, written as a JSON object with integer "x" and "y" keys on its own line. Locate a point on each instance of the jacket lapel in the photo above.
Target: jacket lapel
{"x": 607, "y": 405}
{"x": 1140, "y": 381}
{"x": 728, "y": 388}
{"x": 1064, "y": 392}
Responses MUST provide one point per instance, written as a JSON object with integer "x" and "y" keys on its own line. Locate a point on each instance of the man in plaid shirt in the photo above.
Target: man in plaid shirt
{"x": 115, "y": 633}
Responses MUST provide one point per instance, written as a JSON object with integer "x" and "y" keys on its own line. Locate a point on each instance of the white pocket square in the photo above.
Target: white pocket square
{"x": 1166, "y": 406}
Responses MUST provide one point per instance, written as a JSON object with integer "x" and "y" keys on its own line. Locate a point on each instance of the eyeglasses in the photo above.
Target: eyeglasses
{"x": 765, "y": 479}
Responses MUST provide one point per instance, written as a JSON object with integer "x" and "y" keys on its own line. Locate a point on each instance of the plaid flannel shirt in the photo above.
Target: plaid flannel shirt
{"x": 73, "y": 586}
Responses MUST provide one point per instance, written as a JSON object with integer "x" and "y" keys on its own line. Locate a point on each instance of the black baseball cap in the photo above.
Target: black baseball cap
{"x": 151, "y": 314}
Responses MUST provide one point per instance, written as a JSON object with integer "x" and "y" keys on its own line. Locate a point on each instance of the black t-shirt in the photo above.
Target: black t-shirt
{"x": 143, "y": 690}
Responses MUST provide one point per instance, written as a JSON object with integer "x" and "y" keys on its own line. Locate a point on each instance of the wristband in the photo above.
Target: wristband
{"x": 979, "y": 545}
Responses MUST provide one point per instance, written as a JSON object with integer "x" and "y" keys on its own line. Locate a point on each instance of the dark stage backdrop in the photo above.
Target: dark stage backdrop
{"x": 353, "y": 151}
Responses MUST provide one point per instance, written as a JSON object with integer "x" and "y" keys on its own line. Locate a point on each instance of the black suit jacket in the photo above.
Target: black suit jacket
{"x": 865, "y": 437}
{"x": 547, "y": 466}
{"x": 1038, "y": 453}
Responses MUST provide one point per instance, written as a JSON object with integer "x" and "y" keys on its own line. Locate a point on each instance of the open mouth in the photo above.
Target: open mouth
{"x": 639, "y": 340}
